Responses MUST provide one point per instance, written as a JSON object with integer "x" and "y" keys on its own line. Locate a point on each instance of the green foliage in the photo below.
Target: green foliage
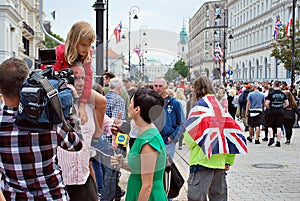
{"x": 50, "y": 43}
{"x": 181, "y": 67}
{"x": 171, "y": 75}
{"x": 282, "y": 48}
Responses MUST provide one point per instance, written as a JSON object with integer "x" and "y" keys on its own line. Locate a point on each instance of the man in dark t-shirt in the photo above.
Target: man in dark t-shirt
{"x": 276, "y": 101}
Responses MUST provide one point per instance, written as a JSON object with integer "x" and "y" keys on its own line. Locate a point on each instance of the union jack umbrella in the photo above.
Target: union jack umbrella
{"x": 213, "y": 129}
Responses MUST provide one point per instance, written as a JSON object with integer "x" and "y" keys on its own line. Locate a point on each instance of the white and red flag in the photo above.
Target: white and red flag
{"x": 290, "y": 22}
{"x": 117, "y": 32}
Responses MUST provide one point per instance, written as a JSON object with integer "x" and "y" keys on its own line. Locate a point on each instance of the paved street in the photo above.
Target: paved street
{"x": 264, "y": 174}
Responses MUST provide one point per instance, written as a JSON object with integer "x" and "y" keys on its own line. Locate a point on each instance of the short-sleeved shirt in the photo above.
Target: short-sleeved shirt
{"x": 154, "y": 139}
{"x": 277, "y": 98}
{"x": 256, "y": 99}
{"x": 275, "y": 112}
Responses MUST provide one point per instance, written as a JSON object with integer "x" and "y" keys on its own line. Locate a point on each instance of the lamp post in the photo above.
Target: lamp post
{"x": 143, "y": 29}
{"x": 133, "y": 10}
{"x": 99, "y": 8}
{"x": 106, "y": 50}
{"x": 225, "y": 25}
{"x": 293, "y": 44}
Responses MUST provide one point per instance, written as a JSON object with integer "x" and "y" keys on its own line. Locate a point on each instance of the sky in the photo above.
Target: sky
{"x": 165, "y": 16}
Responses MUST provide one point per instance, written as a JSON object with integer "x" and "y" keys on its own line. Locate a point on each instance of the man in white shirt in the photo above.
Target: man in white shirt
{"x": 75, "y": 166}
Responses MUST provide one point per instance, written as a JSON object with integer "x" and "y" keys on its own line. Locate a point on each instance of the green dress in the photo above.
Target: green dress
{"x": 154, "y": 139}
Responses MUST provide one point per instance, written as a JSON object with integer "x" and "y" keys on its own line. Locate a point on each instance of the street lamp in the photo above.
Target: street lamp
{"x": 143, "y": 29}
{"x": 293, "y": 44}
{"x": 225, "y": 25}
{"x": 133, "y": 10}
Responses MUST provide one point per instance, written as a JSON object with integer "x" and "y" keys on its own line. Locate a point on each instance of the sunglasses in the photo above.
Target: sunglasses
{"x": 158, "y": 85}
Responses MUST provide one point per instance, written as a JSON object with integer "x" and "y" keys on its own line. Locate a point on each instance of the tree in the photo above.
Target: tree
{"x": 171, "y": 75}
{"x": 282, "y": 48}
{"x": 181, "y": 67}
{"x": 50, "y": 43}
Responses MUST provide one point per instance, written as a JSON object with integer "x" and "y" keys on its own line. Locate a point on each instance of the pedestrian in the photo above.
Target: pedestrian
{"x": 75, "y": 166}
{"x": 78, "y": 48}
{"x": 205, "y": 128}
{"x": 222, "y": 98}
{"x": 179, "y": 95}
{"x": 28, "y": 159}
{"x": 128, "y": 86}
{"x": 107, "y": 76}
{"x": 254, "y": 112}
{"x": 170, "y": 123}
{"x": 147, "y": 157}
{"x": 276, "y": 101}
{"x": 289, "y": 116}
{"x": 243, "y": 103}
{"x": 233, "y": 101}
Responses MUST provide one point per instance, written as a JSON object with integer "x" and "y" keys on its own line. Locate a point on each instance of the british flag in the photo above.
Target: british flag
{"x": 213, "y": 129}
{"x": 278, "y": 24}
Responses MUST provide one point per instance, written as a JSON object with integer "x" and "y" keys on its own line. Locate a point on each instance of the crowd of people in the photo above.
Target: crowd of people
{"x": 59, "y": 165}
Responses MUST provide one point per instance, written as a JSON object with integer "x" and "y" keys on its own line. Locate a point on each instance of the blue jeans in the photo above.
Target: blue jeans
{"x": 111, "y": 189}
{"x": 98, "y": 173}
{"x": 170, "y": 148}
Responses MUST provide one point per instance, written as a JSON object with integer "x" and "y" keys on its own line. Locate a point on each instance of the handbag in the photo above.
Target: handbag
{"x": 289, "y": 113}
{"x": 173, "y": 180}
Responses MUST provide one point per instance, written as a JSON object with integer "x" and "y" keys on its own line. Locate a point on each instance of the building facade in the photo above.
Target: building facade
{"x": 155, "y": 68}
{"x": 204, "y": 36}
{"x": 20, "y": 33}
{"x": 253, "y": 23}
{"x": 244, "y": 32}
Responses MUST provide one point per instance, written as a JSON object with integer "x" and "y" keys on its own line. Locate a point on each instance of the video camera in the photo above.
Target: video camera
{"x": 33, "y": 92}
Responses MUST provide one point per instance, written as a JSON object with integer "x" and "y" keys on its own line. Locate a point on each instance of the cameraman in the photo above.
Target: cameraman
{"x": 28, "y": 159}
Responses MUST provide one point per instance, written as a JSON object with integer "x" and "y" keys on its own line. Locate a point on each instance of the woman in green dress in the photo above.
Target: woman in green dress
{"x": 147, "y": 157}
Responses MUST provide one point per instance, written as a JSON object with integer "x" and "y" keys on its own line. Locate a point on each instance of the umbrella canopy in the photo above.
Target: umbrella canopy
{"x": 213, "y": 129}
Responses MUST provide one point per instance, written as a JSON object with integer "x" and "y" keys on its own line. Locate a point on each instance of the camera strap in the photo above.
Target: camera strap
{"x": 52, "y": 94}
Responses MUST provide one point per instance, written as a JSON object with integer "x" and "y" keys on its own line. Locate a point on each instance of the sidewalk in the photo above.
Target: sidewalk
{"x": 264, "y": 174}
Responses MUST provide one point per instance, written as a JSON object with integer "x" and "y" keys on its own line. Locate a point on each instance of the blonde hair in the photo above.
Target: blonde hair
{"x": 180, "y": 94}
{"x": 80, "y": 31}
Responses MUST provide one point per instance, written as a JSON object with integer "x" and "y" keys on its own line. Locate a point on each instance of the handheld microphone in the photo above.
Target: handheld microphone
{"x": 122, "y": 138}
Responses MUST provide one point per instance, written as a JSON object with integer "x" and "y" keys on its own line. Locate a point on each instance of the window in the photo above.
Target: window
{"x": 206, "y": 45}
{"x": 217, "y": 44}
{"x": 207, "y": 11}
{"x": 217, "y": 10}
{"x": 217, "y": 23}
{"x": 206, "y": 56}
{"x": 26, "y": 45}
{"x": 182, "y": 49}
{"x": 206, "y": 34}
{"x": 207, "y": 23}
{"x": 217, "y": 33}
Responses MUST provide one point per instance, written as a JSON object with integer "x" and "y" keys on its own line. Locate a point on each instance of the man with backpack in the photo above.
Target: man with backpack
{"x": 243, "y": 104}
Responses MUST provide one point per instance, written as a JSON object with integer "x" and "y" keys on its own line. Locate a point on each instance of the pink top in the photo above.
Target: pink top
{"x": 75, "y": 165}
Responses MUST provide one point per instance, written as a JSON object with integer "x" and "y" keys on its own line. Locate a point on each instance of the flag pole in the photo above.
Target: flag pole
{"x": 293, "y": 44}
